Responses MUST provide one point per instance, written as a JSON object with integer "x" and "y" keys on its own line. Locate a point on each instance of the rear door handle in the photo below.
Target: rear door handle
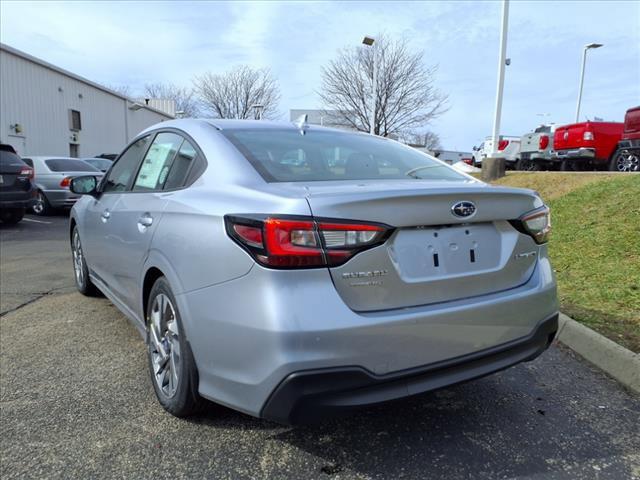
{"x": 146, "y": 220}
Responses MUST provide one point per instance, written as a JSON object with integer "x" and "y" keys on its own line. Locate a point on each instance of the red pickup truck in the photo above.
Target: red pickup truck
{"x": 627, "y": 156}
{"x": 581, "y": 146}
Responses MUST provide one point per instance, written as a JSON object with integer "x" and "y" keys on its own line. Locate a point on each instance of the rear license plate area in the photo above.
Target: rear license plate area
{"x": 447, "y": 250}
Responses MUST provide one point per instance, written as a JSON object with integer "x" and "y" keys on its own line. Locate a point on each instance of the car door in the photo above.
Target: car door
{"x": 96, "y": 228}
{"x": 135, "y": 216}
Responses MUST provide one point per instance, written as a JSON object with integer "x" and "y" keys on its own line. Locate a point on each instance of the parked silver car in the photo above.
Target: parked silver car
{"x": 363, "y": 272}
{"x": 52, "y": 178}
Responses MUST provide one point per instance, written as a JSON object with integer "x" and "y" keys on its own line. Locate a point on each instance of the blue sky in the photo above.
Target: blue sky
{"x": 133, "y": 43}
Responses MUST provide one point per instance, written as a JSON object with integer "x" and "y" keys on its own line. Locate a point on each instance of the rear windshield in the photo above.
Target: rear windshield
{"x": 100, "y": 163}
{"x": 289, "y": 156}
{"x": 9, "y": 158}
{"x": 69, "y": 165}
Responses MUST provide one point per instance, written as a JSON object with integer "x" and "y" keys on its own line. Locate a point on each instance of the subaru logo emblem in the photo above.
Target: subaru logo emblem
{"x": 463, "y": 209}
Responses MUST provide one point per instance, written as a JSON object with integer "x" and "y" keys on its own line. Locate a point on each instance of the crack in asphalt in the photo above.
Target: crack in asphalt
{"x": 38, "y": 296}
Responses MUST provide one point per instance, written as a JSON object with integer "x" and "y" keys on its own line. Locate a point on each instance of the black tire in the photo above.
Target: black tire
{"x": 625, "y": 161}
{"x": 528, "y": 165}
{"x": 80, "y": 270}
{"x": 42, "y": 206}
{"x": 184, "y": 400}
{"x": 11, "y": 215}
{"x": 573, "y": 166}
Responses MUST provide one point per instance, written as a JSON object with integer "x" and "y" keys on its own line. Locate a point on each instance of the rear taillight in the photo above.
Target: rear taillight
{"x": 503, "y": 144}
{"x": 66, "y": 181}
{"x": 468, "y": 161}
{"x": 587, "y": 136}
{"x": 543, "y": 142}
{"x": 537, "y": 223}
{"x": 303, "y": 242}
{"x": 27, "y": 172}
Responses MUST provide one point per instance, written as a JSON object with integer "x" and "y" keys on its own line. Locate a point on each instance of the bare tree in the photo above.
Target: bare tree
{"x": 428, "y": 139}
{"x": 242, "y": 92}
{"x": 431, "y": 141}
{"x": 406, "y": 96}
{"x": 184, "y": 98}
{"x": 124, "y": 90}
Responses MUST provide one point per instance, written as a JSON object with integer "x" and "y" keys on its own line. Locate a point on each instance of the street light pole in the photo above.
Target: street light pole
{"x": 501, "y": 66}
{"x": 370, "y": 42}
{"x": 584, "y": 61}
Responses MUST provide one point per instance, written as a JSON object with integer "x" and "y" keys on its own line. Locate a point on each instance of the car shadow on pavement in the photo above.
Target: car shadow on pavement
{"x": 219, "y": 416}
{"x": 513, "y": 424}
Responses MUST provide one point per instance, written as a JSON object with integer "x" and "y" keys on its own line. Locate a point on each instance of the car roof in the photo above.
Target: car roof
{"x": 186, "y": 124}
{"x": 5, "y": 147}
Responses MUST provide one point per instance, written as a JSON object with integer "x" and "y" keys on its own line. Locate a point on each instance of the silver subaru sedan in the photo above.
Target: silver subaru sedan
{"x": 291, "y": 271}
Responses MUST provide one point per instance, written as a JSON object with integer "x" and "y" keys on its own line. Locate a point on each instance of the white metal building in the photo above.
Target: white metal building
{"x": 45, "y": 110}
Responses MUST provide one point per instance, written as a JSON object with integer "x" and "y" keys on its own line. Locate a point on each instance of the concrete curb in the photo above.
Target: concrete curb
{"x": 607, "y": 355}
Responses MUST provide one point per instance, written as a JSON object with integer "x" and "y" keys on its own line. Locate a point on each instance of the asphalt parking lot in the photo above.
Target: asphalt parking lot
{"x": 76, "y": 402}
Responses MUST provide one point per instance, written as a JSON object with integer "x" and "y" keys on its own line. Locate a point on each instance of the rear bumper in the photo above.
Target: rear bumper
{"x": 537, "y": 155}
{"x": 18, "y": 199}
{"x": 310, "y": 395}
{"x": 250, "y": 334}
{"x": 61, "y": 198}
{"x": 632, "y": 143}
{"x": 581, "y": 152}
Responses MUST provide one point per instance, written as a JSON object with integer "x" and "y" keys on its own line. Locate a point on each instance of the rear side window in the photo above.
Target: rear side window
{"x": 125, "y": 167}
{"x": 184, "y": 159}
{"x": 158, "y": 162}
{"x": 290, "y": 156}
{"x": 65, "y": 165}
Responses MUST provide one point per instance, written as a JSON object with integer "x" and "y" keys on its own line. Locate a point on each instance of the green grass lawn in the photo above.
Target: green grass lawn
{"x": 595, "y": 247}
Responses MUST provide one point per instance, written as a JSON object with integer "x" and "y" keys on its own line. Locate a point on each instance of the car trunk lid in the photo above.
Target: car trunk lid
{"x": 432, "y": 255}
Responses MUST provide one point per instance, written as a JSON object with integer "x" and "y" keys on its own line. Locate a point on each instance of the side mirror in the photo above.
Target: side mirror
{"x": 84, "y": 185}
{"x": 475, "y": 149}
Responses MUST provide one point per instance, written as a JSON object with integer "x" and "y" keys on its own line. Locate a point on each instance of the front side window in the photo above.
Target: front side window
{"x": 157, "y": 162}
{"x": 125, "y": 167}
{"x": 290, "y": 156}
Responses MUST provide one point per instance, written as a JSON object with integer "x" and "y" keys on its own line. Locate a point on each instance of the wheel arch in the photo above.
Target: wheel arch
{"x": 150, "y": 277}
{"x": 72, "y": 224}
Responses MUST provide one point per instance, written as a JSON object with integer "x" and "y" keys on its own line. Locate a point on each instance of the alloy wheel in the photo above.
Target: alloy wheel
{"x": 78, "y": 258}
{"x": 628, "y": 162}
{"x": 164, "y": 344}
{"x": 38, "y": 208}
